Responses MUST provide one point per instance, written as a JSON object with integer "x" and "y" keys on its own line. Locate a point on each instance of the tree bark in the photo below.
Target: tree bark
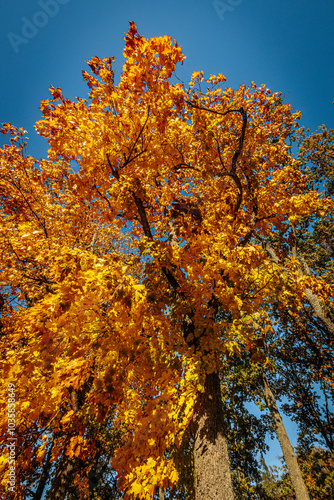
{"x": 318, "y": 309}
{"x": 313, "y": 299}
{"x": 288, "y": 451}
{"x": 63, "y": 478}
{"x": 211, "y": 461}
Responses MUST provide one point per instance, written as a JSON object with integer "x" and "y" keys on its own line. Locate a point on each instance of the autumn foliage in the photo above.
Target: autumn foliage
{"x": 134, "y": 261}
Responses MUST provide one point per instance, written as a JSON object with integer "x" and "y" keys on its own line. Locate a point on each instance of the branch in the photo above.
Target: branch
{"x": 114, "y": 171}
{"x": 220, "y": 158}
{"x": 243, "y": 113}
{"x": 241, "y": 139}
{"x": 127, "y": 161}
{"x": 237, "y": 181}
{"x": 142, "y": 215}
{"x": 45, "y": 474}
{"x": 41, "y": 223}
{"x": 102, "y": 196}
{"x": 232, "y": 173}
{"x": 92, "y": 243}
{"x": 311, "y": 297}
{"x": 184, "y": 166}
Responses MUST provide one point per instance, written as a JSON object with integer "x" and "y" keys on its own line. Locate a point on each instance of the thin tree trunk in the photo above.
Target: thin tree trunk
{"x": 211, "y": 461}
{"x": 288, "y": 451}
{"x": 62, "y": 479}
{"x": 45, "y": 474}
{"x": 68, "y": 466}
{"x": 161, "y": 494}
{"x": 312, "y": 298}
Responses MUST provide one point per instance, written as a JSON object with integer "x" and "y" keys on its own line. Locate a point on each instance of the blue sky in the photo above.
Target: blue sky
{"x": 286, "y": 44}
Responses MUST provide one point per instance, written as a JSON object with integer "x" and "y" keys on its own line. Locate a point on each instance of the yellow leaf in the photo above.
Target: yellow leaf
{"x": 66, "y": 418}
{"x": 137, "y": 488}
{"x": 174, "y": 476}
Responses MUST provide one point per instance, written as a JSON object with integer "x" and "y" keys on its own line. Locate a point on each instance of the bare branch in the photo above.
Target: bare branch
{"x": 143, "y": 217}
{"x": 114, "y": 171}
{"x": 243, "y": 113}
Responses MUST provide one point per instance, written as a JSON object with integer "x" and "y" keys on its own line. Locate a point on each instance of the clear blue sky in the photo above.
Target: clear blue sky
{"x": 286, "y": 44}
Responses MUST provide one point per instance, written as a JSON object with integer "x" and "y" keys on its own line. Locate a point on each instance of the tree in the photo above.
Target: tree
{"x": 304, "y": 376}
{"x": 317, "y": 467}
{"x": 302, "y": 346}
{"x": 316, "y": 158}
{"x": 185, "y": 181}
{"x": 288, "y": 451}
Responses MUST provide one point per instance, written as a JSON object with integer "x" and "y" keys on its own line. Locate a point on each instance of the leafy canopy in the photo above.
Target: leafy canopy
{"x": 133, "y": 257}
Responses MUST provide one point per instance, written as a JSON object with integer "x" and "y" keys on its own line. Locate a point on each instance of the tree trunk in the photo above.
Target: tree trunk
{"x": 288, "y": 451}
{"x": 312, "y": 298}
{"x": 62, "y": 479}
{"x": 211, "y": 461}
{"x": 161, "y": 494}
{"x": 45, "y": 474}
{"x": 67, "y": 466}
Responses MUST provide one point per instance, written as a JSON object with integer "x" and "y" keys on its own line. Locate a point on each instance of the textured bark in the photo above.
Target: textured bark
{"x": 319, "y": 311}
{"x": 288, "y": 451}
{"x": 63, "y": 478}
{"x": 95, "y": 476}
{"x": 313, "y": 299}
{"x": 211, "y": 461}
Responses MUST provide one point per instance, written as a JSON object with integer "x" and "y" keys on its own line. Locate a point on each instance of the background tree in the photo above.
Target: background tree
{"x": 303, "y": 345}
{"x": 317, "y": 469}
